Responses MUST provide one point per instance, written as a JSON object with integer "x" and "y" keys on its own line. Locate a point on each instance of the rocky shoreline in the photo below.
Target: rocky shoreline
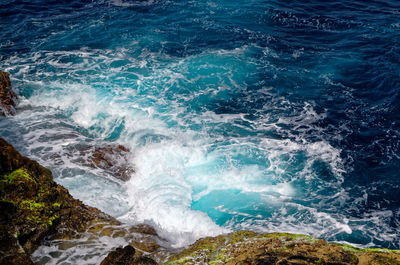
{"x": 248, "y": 247}
{"x": 35, "y": 209}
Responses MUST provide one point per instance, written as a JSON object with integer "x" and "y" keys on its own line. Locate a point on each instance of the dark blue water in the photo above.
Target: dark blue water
{"x": 263, "y": 115}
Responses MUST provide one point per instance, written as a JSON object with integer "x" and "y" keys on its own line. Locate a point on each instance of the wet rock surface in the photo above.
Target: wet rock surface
{"x": 8, "y": 99}
{"x": 36, "y": 211}
{"x": 34, "y": 207}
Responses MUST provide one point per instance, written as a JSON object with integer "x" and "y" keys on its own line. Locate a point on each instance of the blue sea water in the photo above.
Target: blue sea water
{"x": 263, "y": 115}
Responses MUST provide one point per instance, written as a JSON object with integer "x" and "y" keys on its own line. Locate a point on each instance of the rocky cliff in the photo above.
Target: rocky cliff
{"x": 33, "y": 207}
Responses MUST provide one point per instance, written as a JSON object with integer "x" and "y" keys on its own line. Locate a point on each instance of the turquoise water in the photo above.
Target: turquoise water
{"x": 258, "y": 115}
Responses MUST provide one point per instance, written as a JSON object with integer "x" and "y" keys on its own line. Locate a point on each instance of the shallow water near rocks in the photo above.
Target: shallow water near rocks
{"x": 259, "y": 115}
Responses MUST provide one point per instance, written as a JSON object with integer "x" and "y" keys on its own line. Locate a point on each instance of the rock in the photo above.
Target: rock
{"x": 120, "y": 256}
{"x": 144, "y": 261}
{"x": 126, "y": 256}
{"x": 8, "y": 99}
{"x": 247, "y": 247}
{"x": 34, "y": 206}
{"x": 143, "y": 229}
{"x": 111, "y": 158}
{"x": 8, "y": 211}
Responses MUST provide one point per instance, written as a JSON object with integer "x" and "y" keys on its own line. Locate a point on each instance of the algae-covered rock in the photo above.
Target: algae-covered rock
{"x": 34, "y": 206}
{"x": 126, "y": 256}
{"x": 112, "y": 158}
{"x": 247, "y": 247}
{"x": 8, "y": 99}
{"x": 144, "y": 261}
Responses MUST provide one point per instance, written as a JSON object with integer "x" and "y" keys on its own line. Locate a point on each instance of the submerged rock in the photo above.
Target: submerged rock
{"x": 120, "y": 256}
{"x": 33, "y": 207}
{"x": 8, "y": 99}
{"x": 126, "y": 256}
{"x": 112, "y": 158}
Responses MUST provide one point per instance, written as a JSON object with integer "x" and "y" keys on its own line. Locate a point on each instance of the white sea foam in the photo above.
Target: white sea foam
{"x": 167, "y": 168}
{"x": 89, "y": 247}
{"x": 181, "y": 155}
{"x": 161, "y": 195}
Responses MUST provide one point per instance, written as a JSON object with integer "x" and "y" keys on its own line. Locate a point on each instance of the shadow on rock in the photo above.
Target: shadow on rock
{"x": 126, "y": 256}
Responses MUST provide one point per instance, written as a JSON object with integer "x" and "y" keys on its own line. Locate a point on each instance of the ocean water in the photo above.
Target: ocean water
{"x": 263, "y": 115}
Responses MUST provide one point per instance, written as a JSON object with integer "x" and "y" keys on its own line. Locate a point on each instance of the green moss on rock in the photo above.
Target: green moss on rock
{"x": 36, "y": 211}
{"x": 247, "y": 247}
{"x": 18, "y": 176}
{"x": 361, "y": 250}
{"x": 33, "y": 206}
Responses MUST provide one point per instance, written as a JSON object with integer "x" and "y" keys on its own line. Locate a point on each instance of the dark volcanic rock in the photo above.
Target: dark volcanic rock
{"x": 8, "y": 99}
{"x": 112, "y": 158}
{"x": 126, "y": 256}
{"x": 247, "y": 247}
{"x": 33, "y": 206}
{"x": 11, "y": 252}
{"x": 120, "y": 256}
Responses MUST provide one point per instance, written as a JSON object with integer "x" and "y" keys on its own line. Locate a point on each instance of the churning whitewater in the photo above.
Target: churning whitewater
{"x": 235, "y": 115}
